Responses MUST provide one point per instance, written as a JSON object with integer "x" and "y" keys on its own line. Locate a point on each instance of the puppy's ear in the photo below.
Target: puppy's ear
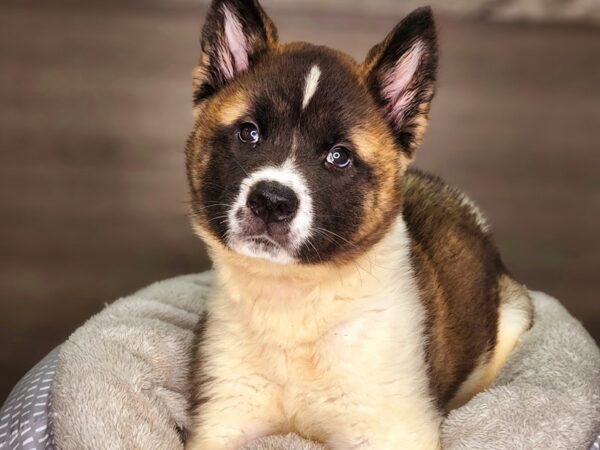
{"x": 235, "y": 35}
{"x": 400, "y": 72}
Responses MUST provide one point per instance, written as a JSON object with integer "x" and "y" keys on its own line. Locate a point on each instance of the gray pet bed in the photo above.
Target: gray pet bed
{"x": 120, "y": 382}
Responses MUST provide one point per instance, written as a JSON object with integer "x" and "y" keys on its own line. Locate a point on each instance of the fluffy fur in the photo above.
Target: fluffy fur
{"x": 356, "y": 302}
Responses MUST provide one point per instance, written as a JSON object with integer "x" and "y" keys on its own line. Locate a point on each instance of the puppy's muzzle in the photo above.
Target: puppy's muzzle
{"x": 272, "y": 202}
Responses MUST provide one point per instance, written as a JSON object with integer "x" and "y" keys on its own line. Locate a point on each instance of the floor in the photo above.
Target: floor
{"x": 94, "y": 112}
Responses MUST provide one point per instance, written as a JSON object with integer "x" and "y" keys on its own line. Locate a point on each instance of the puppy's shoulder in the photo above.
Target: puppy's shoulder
{"x": 432, "y": 206}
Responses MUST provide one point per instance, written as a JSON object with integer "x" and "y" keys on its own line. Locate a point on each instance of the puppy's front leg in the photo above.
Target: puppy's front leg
{"x": 386, "y": 430}
{"x": 237, "y": 412}
{"x": 368, "y": 410}
{"x": 375, "y": 437}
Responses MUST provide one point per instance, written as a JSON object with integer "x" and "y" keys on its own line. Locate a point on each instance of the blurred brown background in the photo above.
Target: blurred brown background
{"x": 95, "y": 109}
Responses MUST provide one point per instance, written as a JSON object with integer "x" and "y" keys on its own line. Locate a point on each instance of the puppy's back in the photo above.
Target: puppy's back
{"x": 475, "y": 310}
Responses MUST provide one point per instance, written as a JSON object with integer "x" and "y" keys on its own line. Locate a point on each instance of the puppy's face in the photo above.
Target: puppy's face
{"x": 298, "y": 152}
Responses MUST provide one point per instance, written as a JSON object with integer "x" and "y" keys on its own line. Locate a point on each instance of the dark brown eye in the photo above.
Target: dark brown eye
{"x": 248, "y": 133}
{"x": 339, "y": 157}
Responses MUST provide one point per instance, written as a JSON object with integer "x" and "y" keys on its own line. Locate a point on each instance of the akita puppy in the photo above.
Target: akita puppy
{"x": 355, "y": 302}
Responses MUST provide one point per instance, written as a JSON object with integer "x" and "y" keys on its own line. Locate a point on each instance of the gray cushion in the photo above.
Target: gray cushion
{"x": 122, "y": 378}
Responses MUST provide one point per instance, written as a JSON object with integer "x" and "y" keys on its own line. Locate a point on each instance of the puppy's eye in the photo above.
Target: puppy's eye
{"x": 248, "y": 133}
{"x": 339, "y": 157}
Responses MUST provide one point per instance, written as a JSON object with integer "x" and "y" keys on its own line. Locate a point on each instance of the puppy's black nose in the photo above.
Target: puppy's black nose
{"x": 272, "y": 201}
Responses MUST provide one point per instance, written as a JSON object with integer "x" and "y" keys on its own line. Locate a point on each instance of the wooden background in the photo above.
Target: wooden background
{"x": 95, "y": 109}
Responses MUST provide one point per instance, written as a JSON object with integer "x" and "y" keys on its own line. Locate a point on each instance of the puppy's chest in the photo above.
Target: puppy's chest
{"x": 312, "y": 349}
{"x": 313, "y": 359}
{"x": 318, "y": 344}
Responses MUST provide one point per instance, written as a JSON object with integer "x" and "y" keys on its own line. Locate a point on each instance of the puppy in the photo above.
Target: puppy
{"x": 355, "y": 301}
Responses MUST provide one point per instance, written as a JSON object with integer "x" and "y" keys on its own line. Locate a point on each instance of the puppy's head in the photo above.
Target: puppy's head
{"x": 298, "y": 152}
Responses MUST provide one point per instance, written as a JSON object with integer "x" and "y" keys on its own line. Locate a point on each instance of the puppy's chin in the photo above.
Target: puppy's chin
{"x": 261, "y": 247}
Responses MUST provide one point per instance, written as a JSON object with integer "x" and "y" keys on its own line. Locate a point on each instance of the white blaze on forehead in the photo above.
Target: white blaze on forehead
{"x": 311, "y": 84}
{"x": 288, "y": 175}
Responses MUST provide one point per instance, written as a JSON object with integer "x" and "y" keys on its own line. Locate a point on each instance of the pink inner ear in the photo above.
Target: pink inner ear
{"x": 396, "y": 83}
{"x": 236, "y": 46}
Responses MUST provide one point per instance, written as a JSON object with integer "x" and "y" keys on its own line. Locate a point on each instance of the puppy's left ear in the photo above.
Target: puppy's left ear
{"x": 400, "y": 73}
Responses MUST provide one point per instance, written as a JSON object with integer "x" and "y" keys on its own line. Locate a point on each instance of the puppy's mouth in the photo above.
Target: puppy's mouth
{"x": 251, "y": 236}
{"x": 268, "y": 244}
{"x": 265, "y": 244}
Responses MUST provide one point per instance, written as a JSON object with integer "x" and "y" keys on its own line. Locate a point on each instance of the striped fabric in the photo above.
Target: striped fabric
{"x": 596, "y": 444}
{"x": 25, "y": 419}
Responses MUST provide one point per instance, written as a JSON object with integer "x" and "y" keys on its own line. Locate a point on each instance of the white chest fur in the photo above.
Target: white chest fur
{"x": 337, "y": 357}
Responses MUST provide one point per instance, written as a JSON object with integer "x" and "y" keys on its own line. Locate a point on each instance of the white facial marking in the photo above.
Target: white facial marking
{"x": 236, "y": 46}
{"x": 311, "y": 84}
{"x": 300, "y": 227}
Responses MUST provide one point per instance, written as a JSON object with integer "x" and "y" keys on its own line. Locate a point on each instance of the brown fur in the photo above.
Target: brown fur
{"x": 457, "y": 268}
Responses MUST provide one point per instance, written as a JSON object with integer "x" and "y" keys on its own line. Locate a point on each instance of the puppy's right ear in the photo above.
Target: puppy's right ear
{"x": 235, "y": 35}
